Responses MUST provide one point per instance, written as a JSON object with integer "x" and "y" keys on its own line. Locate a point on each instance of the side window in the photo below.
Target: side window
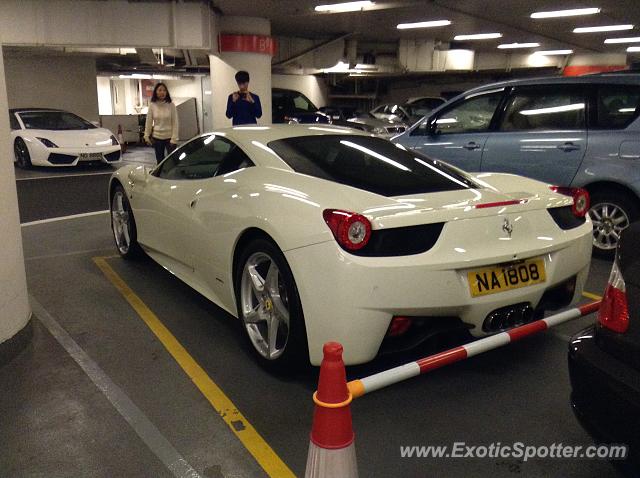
{"x": 618, "y": 106}
{"x": 301, "y": 103}
{"x": 13, "y": 121}
{"x": 544, "y": 109}
{"x": 422, "y": 129}
{"x": 471, "y": 115}
{"x": 236, "y": 159}
{"x": 198, "y": 159}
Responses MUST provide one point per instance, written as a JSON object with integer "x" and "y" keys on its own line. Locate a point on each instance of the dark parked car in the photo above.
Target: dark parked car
{"x": 604, "y": 359}
{"x": 290, "y": 106}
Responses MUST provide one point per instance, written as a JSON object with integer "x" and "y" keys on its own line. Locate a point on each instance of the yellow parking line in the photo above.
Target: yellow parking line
{"x": 589, "y": 295}
{"x": 239, "y": 425}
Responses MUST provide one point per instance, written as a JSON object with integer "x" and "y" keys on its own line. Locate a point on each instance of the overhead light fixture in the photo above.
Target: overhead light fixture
{"x": 605, "y": 28}
{"x": 365, "y": 66}
{"x": 477, "y": 36}
{"x": 340, "y": 67}
{"x": 344, "y": 7}
{"x": 507, "y": 46}
{"x": 137, "y": 76}
{"x": 429, "y": 24}
{"x": 633, "y": 49}
{"x": 566, "y": 13}
{"x": 623, "y": 40}
{"x": 553, "y": 52}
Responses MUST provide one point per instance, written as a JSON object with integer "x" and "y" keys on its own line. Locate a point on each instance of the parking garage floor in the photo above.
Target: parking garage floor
{"x": 98, "y": 393}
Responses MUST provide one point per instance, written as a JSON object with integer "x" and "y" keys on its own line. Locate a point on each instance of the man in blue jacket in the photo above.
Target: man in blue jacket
{"x": 243, "y": 107}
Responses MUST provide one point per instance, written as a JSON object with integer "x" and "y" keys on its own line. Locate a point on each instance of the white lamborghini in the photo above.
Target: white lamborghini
{"x": 46, "y": 137}
{"x": 309, "y": 234}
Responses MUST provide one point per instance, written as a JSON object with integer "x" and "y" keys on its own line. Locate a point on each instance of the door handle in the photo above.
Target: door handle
{"x": 193, "y": 203}
{"x": 568, "y": 147}
{"x": 471, "y": 145}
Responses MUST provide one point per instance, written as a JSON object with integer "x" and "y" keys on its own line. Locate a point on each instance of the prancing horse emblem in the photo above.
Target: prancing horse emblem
{"x": 507, "y": 226}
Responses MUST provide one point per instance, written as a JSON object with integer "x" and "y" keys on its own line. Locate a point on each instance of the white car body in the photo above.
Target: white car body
{"x": 345, "y": 297}
{"x": 73, "y": 146}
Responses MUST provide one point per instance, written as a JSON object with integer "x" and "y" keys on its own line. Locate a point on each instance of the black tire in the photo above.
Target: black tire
{"x": 132, "y": 250}
{"x": 628, "y": 207}
{"x": 295, "y": 354}
{"x": 21, "y": 153}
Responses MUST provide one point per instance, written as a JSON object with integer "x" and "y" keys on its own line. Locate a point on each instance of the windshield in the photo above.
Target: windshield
{"x": 372, "y": 164}
{"x": 53, "y": 120}
{"x": 293, "y": 101}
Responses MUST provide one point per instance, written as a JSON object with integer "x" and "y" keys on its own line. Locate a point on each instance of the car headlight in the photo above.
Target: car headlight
{"x": 47, "y": 143}
{"x": 114, "y": 141}
{"x": 379, "y": 130}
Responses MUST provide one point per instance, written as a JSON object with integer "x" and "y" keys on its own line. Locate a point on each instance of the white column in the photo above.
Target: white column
{"x": 225, "y": 65}
{"x": 14, "y": 304}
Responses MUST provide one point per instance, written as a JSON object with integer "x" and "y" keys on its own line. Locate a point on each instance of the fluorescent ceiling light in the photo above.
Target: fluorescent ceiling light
{"x": 506, "y": 46}
{"x": 477, "y": 36}
{"x": 623, "y": 40}
{"x": 553, "y": 109}
{"x": 139, "y": 76}
{"x": 553, "y": 52}
{"x": 365, "y": 66}
{"x": 340, "y": 67}
{"x": 633, "y": 49}
{"x": 605, "y": 28}
{"x": 344, "y": 7}
{"x": 566, "y": 13}
{"x": 429, "y": 24}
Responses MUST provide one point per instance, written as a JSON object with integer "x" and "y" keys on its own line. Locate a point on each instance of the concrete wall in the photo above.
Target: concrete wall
{"x": 187, "y": 88}
{"x": 67, "y": 83}
{"x": 14, "y": 303}
{"x": 312, "y": 87}
{"x": 105, "y": 105}
{"x": 112, "y": 23}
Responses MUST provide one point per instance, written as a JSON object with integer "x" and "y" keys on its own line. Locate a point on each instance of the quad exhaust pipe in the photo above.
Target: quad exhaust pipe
{"x": 508, "y": 317}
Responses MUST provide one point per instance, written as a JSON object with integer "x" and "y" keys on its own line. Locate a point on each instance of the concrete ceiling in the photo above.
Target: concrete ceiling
{"x": 509, "y": 17}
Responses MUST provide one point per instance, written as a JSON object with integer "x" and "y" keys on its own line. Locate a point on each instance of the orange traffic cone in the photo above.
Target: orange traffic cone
{"x": 332, "y": 452}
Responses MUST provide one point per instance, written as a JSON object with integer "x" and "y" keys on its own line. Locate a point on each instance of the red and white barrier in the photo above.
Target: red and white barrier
{"x": 403, "y": 372}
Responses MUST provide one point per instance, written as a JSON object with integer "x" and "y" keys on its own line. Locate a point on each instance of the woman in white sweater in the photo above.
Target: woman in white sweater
{"x": 161, "y": 128}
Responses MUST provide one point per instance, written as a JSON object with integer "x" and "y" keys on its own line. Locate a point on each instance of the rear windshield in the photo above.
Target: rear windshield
{"x": 372, "y": 164}
{"x": 53, "y": 120}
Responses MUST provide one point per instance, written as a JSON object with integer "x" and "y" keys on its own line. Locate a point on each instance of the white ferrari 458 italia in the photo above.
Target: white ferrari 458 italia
{"x": 47, "y": 137}
{"x": 309, "y": 234}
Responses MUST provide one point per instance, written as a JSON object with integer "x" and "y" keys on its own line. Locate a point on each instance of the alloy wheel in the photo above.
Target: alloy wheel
{"x": 120, "y": 222}
{"x": 264, "y": 305}
{"x": 609, "y": 220}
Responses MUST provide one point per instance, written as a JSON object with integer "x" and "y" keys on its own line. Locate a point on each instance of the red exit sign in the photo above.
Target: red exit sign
{"x": 247, "y": 44}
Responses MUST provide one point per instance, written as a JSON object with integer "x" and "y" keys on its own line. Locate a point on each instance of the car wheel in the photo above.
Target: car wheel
{"x": 21, "y": 152}
{"x": 611, "y": 213}
{"x": 123, "y": 225}
{"x": 269, "y": 307}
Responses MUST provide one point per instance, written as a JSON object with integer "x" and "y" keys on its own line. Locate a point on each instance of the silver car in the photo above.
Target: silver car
{"x": 568, "y": 131}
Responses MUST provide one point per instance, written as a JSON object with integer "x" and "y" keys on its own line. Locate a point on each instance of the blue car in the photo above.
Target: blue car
{"x": 575, "y": 132}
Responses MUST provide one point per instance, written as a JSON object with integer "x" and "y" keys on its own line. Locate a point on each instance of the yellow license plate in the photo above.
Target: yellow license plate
{"x": 492, "y": 280}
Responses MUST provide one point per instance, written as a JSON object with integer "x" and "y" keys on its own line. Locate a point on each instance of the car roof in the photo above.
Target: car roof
{"x": 600, "y": 78}
{"x": 272, "y": 132}
{"x": 35, "y": 110}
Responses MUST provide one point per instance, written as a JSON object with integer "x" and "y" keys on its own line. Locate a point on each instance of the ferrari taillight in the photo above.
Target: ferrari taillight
{"x": 581, "y": 199}
{"x": 614, "y": 310}
{"x": 351, "y": 230}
